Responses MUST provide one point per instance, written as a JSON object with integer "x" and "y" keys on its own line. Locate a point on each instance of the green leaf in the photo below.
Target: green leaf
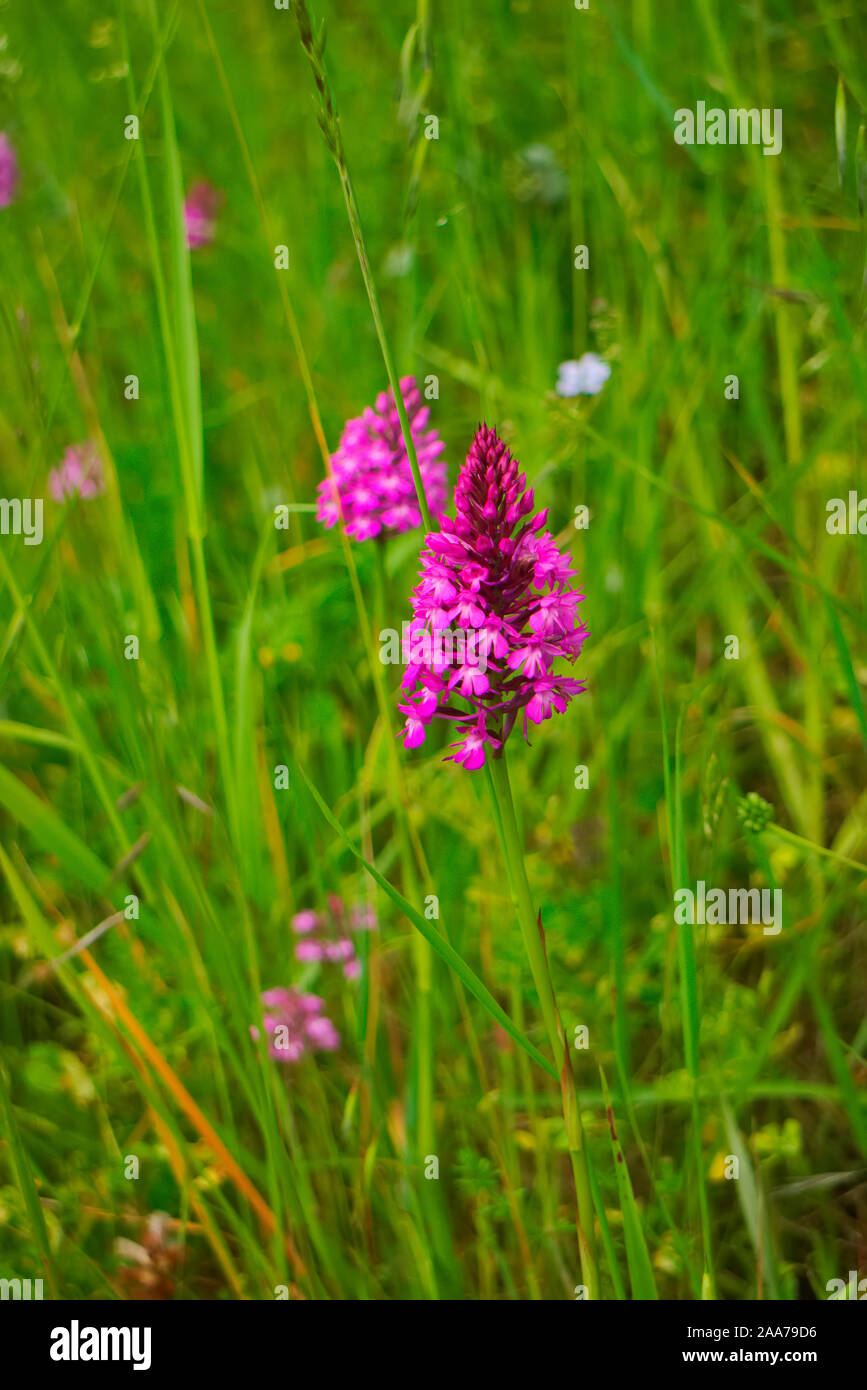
{"x": 51, "y": 833}
{"x": 749, "y": 1196}
{"x": 637, "y": 1254}
{"x": 184, "y": 316}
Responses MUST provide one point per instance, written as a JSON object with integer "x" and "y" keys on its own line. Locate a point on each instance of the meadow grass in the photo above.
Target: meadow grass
{"x": 157, "y": 777}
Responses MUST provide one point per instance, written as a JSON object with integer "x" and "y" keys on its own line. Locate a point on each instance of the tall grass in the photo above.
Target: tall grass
{"x": 152, "y": 782}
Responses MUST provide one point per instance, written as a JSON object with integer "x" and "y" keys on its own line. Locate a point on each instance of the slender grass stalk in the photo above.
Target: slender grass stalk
{"x": 534, "y": 943}
{"x": 183, "y": 372}
{"x": 329, "y": 122}
{"x": 397, "y": 784}
{"x": 689, "y": 993}
{"x": 423, "y": 960}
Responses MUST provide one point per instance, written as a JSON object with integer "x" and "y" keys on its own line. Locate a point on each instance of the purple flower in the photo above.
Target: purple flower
{"x": 79, "y": 473}
{"x": 200, "y": 215}
{"x": 371, "y": 472}
{"x": 326, "y": 934}
{"x": 307, "y": 951}
{"x": 8, "y": 171}
{"x": 586, "y": 377}
{"x": 305, "y": 921}
{"x": 295, "y": 1024}
{"x": 502, "y": 577}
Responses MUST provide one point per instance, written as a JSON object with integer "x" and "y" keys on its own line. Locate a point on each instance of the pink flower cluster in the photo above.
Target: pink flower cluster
{"x": 200, "y": 215}
{"x": 8, "y": 171}
{"x": 496, "y": 572}
{"x": 78, "y": 474}
{"x": 372, "y": 473}
{"x": 295, "y": 1024}
{"x": 325, "y": 936}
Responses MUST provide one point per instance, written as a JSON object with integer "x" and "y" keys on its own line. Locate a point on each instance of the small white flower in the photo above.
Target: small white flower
{"x": 586, "y": 377}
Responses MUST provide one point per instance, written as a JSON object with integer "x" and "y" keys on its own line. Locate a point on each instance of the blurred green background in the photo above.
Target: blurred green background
{"x": 707, "y": 520}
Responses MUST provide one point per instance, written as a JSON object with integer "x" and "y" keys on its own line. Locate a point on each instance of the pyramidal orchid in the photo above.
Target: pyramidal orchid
{"x": 371, "y": 477}
{"x": 496, "y": 575}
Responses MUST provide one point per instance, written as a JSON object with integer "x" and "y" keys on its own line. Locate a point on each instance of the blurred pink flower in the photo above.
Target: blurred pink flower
{"x": 295, "y": 1024}
{"x": 200, "y": 214}
{"x": 309, "y": 950}
{"x": 326, "y": 934}
{"x": 8, "y": 171}
{"x": 79, "y": 473}
{"x": 372, "y": 475}
{"x": 322, "y": 1033}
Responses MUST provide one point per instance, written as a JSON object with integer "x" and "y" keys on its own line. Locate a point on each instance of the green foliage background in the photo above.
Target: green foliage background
{"x": 707, "y": 521}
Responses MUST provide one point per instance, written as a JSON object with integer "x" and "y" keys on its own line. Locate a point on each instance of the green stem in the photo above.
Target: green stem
{"x": 422, "y": 955}
{"x": 421, "y": 951}
{"x": 534, "y": 942}
{"x": 810, "y": 847}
